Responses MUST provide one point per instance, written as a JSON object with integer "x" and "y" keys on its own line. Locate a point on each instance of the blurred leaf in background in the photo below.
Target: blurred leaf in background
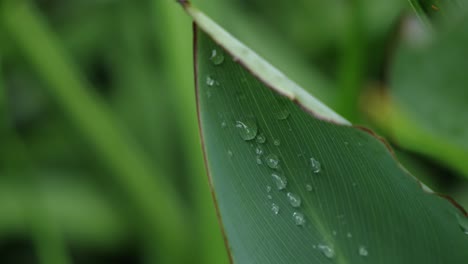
{"x": 100, "y": 157}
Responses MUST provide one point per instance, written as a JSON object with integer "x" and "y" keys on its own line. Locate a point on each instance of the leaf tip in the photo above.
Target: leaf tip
{"x": 184, "y": 3}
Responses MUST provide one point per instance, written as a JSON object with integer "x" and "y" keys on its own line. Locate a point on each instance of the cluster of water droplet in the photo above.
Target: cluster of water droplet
{"x": 248, "y": 130}
{"x": 216, "y": 58}
{"x": 329, "y": 252}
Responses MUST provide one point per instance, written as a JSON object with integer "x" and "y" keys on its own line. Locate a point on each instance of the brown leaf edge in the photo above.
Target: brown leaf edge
{"x": 202, "y": 139}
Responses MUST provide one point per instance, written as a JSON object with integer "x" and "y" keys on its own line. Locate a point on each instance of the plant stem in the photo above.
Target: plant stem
{"x": 158, "y": 204}
{"x": 50, "y": 245}
{"x": 3, "y": 101}
{"x": 173, "y": 29}
{"x": 353, "y": 64}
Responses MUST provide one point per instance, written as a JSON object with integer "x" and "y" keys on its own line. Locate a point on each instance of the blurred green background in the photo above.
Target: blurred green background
{"x": 100, "y": 157}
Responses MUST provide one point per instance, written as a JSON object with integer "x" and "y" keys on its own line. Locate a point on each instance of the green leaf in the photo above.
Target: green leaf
{"x": 360, "y": 206}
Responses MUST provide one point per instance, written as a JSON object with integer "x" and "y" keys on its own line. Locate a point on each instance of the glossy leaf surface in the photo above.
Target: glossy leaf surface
{"x": 265, "y": 153}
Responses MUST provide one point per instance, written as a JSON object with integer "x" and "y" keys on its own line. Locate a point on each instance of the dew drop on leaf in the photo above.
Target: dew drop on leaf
{"x": 217, "y": 57}
{"x": 363, "y": 251}
{"x": 268, "y": 188}
{"x": 272, "y": 161}
{"x": 261, "y": 138}
{"x": 259, "y": 150}
{"x": 279, "y": 180}
{"x": 299, "y": 218}
{"x": 259, "y": 160}
{"x": 326, "y": 250}
{"x": 294, "y": 199}
{"x": 349, "y": 235}
{"x": 309, "y": 187}
{"x": 210, "y": 81}
{"x": 247, "y": 128}
{"x": 276, "y": 142}
{"x": 275, "y": 208}
{"x": 316, "y": 167}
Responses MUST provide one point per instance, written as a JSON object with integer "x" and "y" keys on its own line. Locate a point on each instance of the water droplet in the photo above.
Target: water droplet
{"x": 294, "y": 199}
{"x": 261, "y": 138}
{"x": 349, "y": 235}
{"x": 327, "y": 251}
{"x": 217, "y": 57}
{"x": 269, "y": 197}
{"x": 334, "y": 232}
{"x": 282, "y": 114}
{"x": 277, "y": 142}
{"x": 268, "y": 188}
{"x": 272, "y": 161}
{"x": 363, "y": 251}
{"x": 223, "y": 124}
{"x": 259, "y": 150}
{"x": 247, "y": 128}
{"x": 275, "y": 208}
{"x": 463, "y": 223}
{"x": 316, "y": 167}
{"x": 299, "y": 218}
{"x": 210, "y": 81}
{"x": 309, "y": 187}
{"x": 279, "y": 180}
{"x": 259, "y": 160}
{"x": 230, "y": 153}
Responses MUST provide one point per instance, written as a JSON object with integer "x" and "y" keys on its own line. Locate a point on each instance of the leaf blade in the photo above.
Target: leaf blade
{"x": 360, "y": 181}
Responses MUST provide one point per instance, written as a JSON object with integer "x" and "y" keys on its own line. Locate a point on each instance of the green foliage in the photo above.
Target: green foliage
{"x": 440, "y": 82}
{"x": 100, "y": 157}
